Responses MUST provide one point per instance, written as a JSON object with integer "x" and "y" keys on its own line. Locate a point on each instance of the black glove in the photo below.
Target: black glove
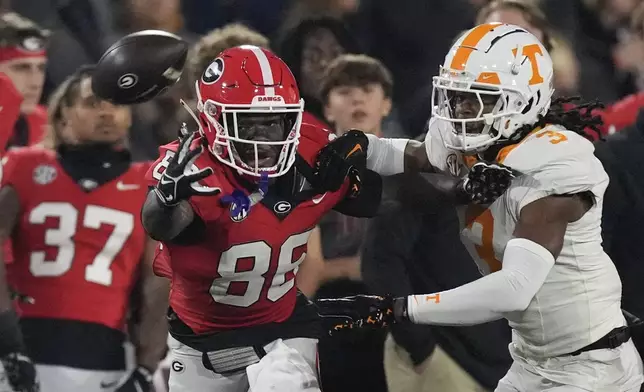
{"x": 175, "y": 185}
{"x": 344, "y": 157}
{"x": 360, "y": 311}
{"x": 485, "y": 182}
{"x": 139, "y": 380}
{"x": 20, "y": 372}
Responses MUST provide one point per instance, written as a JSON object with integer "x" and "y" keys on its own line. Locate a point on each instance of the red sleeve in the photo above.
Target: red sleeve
{"x": 157, "y": 167}
{"x": 312, "y": 139}
{"x": 310, "y": 119}
{"x": 161, "y": 263}
{"x": 621, "y": 114}
{"x": 8, "y": 177}
{"x": 9, "y": 168}
{"x": 37, "y": 125}
{"x": 10, "y": 101}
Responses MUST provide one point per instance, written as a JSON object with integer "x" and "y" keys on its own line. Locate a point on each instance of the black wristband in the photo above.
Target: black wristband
{"x": 400, "y": 309}
{"x": 10, "y": 334}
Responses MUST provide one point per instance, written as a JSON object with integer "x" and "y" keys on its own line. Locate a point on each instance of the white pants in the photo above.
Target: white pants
{"x": 289, "y": 366}
{"x": 61, "y": 378}
{"x": 608, "y": 370}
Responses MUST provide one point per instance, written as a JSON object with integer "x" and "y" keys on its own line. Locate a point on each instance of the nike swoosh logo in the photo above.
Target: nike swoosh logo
{"x": 126, "y": 187}
{"x": 318, "y": 199}
{"x": 355, "y": 149}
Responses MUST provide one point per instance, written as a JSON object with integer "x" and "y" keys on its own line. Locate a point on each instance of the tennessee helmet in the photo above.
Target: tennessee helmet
{"x": 250, "y": 111}
{"x": 495, "y": 79}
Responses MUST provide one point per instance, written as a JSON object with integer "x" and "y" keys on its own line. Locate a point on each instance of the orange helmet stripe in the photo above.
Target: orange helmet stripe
{"x": 469, "y": 43}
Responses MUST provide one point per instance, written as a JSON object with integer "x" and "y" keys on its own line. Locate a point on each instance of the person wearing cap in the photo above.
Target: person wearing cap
{"x": 22, "y": 73}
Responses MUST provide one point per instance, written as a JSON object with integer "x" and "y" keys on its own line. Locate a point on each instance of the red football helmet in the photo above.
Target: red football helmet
{"x": 250, "y": 111}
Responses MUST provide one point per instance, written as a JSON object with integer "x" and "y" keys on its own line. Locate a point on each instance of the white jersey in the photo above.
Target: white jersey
{"x": 581, "y": 298}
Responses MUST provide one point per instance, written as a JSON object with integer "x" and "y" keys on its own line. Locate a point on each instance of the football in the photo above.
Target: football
{"x": 139, "y": 67}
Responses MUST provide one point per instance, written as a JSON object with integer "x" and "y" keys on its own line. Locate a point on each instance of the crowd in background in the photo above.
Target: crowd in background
{"x": 368, "y": 64}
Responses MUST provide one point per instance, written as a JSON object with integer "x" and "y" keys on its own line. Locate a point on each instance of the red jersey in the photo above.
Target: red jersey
{"x": 243, "y": 274}
{"x": 37, "y": 121}
{"x": 76, "y": 252}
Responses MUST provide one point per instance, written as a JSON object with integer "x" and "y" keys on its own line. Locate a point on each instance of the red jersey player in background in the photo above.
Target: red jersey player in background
{"x": 22, "y": 76}
{"x": 234, "y": 211}
{"x": 23, "y": 60}
{"x": 72, "y": 213}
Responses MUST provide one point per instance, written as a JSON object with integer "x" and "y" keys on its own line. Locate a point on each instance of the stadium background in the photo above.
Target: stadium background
{"x": 598, "y": 51}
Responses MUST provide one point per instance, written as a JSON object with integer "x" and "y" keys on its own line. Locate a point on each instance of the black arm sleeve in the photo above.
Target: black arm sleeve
{"x": 367, "y": 203}
{"x": 193, "y": 234}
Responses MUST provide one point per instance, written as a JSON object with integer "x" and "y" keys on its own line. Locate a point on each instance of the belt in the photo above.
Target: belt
{"x": 613, "y": 339}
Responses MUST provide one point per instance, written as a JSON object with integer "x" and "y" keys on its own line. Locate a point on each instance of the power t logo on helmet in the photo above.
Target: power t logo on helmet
{"x": 250, "y": 111}
{"x": 489, "y": 87}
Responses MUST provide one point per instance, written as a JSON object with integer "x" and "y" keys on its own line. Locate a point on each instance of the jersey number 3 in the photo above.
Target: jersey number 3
{"x": 253, "y": 279}
{"x": 62, "y": 237}
{"x": 481, "y": 225}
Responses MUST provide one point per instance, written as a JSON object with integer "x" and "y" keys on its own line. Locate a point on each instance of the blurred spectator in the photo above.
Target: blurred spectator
{"x": 355, "y": 92}
{"x": 166, "y": 15}
{"x": 309, "y": 9}
{"x": 526, "y": 14}
{"x": 215, "y": 42}
{"x": 592, "y": 40}
{"x": 263, "y": 16}
{"x": 411, "y": 38}
{"x": 81, "y": 31}
{"x": 414, "y": 246}
{"x": 308, "y": 49}
{"x": 623, "y": 211}
{"x": 23, "y": 60}
{"x": 629, "y": 57}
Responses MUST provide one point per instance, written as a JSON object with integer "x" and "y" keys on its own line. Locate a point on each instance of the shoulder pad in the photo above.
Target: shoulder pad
{"x": 546, "y": 146}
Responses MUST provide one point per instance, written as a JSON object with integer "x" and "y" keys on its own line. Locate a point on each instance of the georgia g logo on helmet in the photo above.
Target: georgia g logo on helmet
{"x": 214, "y": 71}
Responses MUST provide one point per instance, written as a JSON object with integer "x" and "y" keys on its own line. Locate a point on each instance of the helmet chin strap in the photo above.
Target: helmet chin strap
{"x": 192, "y": 114}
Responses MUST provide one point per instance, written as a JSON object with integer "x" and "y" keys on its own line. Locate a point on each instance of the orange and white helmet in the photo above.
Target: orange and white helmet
{"x": 506, "y": 72}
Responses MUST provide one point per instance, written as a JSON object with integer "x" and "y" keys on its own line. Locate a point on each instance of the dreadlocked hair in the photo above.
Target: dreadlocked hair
{"x": 578, "y": 118}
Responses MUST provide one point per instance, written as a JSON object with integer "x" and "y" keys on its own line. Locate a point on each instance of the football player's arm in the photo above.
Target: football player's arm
{"x": 167, "y": 214}
{"x": 10, "y": 336}
{"x": 10, "y": 101}
{"x": 168, "y": 223}
{"x": 309, "y": 275}
{"x": 315, "y": 270}
{"x": 527, "y": 260}
{"x": 393, "y": 156}
{"x": 152, "y": 329}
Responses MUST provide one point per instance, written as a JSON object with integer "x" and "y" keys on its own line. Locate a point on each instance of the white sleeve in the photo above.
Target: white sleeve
{"x": 386, "y": 156}
{"x": 525, "y": 267}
